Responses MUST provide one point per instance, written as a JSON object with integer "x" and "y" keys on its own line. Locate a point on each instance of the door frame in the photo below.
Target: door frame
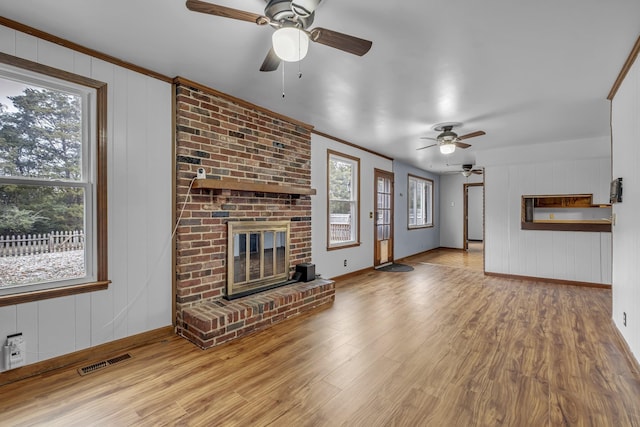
{"x": 377, "y": 173}
{"x": 465, "y": 212}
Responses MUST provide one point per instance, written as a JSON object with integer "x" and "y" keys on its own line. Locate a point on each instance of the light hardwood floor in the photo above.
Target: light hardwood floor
{"x": 442, "y": 345}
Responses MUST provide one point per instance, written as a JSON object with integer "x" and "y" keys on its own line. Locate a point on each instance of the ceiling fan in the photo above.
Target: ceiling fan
{"x": 467, "y": 170}
{"x": 291, "y": 20}
{"x": 448, "y": 140}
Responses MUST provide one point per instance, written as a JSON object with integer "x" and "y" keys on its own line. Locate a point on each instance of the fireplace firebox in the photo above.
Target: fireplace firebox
{"x": 258, "y": 256}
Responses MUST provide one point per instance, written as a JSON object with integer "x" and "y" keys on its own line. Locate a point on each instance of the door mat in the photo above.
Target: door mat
{"x": 396, "y": 268}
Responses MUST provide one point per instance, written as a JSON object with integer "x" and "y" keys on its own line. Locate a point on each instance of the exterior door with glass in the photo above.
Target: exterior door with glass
{"x": 383, "y": 218}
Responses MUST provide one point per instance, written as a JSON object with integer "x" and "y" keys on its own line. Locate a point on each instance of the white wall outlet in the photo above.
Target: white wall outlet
{"x": 201, "y": 174}
{"x": 17, "y": 351}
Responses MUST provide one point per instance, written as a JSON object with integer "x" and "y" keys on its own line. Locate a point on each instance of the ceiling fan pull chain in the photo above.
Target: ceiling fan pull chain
{"x": 299, "y": 55}
{"x": 283, "y": 67}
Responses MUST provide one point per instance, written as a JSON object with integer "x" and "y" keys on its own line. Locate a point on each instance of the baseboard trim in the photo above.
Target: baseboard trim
{"x": 89, "y": 354}
{"x": 635, "y": 365}
{"x": 547, "y": 280}
{"x": 352, "y": 274}
{"x": 446, "y": 248}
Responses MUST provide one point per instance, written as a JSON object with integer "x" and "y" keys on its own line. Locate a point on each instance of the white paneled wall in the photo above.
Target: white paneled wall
{"x": 139, "y": 217}
{"x": 564, "y": 255}
{"x": 626, "y": 232}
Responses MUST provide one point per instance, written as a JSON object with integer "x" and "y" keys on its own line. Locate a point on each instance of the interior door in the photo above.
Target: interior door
{"x": 383, "y": 218}
{"x": 473, "y": 213}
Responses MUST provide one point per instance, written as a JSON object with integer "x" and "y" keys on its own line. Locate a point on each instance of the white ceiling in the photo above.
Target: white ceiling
{"x": 525, "y": 72}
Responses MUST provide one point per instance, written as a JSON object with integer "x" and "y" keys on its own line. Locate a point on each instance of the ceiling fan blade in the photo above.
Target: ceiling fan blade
{"x": 428, "y": 146}
{"x": 472, "y": 134}
{"x": 461, "y": 144}
{"x": 271, "y": 61}
{"x": 226, "y": 12}
{"x": 477, "y": 171}
{"x": 341, "y": 41}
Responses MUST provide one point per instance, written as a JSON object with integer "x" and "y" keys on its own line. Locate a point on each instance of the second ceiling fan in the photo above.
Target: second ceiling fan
{"x": 448, "y": 140}
{"x": 291, "y": 20}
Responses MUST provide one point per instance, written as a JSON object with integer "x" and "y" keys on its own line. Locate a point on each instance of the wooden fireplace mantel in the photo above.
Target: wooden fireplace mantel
{"x": 231, "y": 184}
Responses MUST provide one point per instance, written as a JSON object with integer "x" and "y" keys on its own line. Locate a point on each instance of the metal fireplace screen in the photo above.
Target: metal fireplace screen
{"x": 258, "y": 256}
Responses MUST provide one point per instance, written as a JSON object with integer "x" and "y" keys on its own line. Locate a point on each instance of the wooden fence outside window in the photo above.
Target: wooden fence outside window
{"x": 33, "y": 244}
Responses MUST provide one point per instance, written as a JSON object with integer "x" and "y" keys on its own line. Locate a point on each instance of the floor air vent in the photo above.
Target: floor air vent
{"x": 103, "y": 364}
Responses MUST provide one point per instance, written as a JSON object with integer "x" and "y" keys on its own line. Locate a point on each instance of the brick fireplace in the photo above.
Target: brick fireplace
{"x": 258, "y": 169}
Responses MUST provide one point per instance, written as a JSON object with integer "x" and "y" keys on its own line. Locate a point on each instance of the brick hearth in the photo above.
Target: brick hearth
{"x": 218, "y": 321}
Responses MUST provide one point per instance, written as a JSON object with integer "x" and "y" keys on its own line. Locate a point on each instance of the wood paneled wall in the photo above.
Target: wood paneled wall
{"x": 563, "y": 255}
{"x": 139, "y": 200}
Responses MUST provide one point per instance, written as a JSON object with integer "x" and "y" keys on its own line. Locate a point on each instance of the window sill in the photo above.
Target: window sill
{"x": 64, "y": 291}
{"x": 345, "y": 246}
{"x": 420, "y": 227}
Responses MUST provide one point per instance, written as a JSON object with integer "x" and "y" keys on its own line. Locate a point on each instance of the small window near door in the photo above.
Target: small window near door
{"x": 343, "y": 195}
{"x": 420, "y": 197}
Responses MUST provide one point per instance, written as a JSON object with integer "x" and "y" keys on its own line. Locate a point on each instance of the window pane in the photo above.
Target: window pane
{"x": 41, "y": 234}
{"x": 340, "y": 180}
{"x": 420, "y": 203}
{"x": 340, "y": 222}
{"x": 342, "y": 184}
{"x": 41, "y": 132}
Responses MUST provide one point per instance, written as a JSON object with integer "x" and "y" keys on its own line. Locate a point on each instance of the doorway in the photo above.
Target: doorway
{"x": 383, "y": 214}
{"x": 473, "y": 216}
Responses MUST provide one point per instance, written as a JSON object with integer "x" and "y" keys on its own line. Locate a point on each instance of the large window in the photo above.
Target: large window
{"x": 52, "y": 183}
{"x": 343, "y": 183}
{"x": 420, "y": 196}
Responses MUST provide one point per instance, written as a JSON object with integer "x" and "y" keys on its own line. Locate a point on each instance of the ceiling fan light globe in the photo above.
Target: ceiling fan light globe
{"x": 447, "y": 148}
{"x": 290, "y": 44}
{"x": 466, "y": 173}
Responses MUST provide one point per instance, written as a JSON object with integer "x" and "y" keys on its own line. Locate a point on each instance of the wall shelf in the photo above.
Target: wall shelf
{"x": 565, "y": 212}
{"x": 230, "y": 184}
